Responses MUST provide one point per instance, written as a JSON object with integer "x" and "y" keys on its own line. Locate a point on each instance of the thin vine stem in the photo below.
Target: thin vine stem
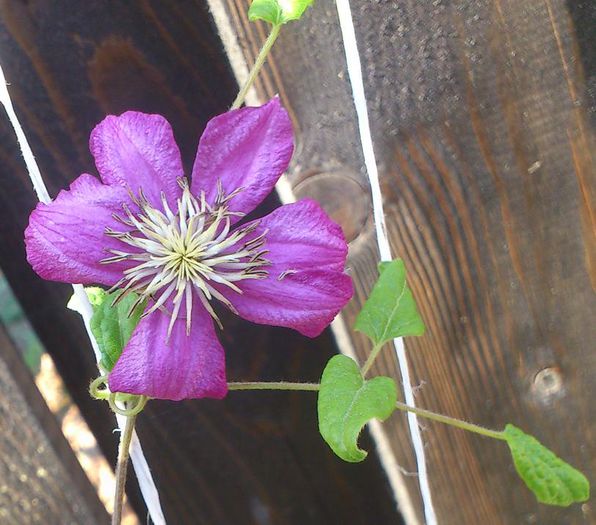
{"x": 137, "y": 404}
{"x": 356, "y": 77}
{"x": 278, "y": 385}
{"x": 464, "y": 425}
{"x": 314, "y": 387}
{"x": 252, "y": 75}
{"x": 121, "y": 468}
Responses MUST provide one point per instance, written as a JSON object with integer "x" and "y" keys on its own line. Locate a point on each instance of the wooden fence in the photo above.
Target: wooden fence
{"x": 483, "y": 115}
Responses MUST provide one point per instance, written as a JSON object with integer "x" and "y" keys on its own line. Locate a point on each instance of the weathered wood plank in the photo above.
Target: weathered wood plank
{"x": 480, "y": 114}
{"x": 41, "y": 480}
{"x": 254, "y": 458}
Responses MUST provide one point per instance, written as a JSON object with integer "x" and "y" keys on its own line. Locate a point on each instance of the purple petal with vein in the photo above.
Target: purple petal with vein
{"x": 247, "y": 148}
{"x": 138, "y": 151}
{"x": 65, "y": 239}
{"x": 306, "y": 286}
{"x": 184, "y": 367}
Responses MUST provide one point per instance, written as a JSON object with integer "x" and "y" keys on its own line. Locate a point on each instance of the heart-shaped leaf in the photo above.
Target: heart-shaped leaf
{"x": 277, "y": 11}
{"x": 347, "y": 402}
{"x": 390, "y": 311}
{"x": 550, "y": 479}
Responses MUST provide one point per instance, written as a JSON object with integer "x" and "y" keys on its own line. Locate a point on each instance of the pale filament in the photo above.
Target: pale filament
{"x": 182, "y": 254}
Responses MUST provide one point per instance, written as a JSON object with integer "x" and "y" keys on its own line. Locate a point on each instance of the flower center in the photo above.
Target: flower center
{"x": 178, "y": 255}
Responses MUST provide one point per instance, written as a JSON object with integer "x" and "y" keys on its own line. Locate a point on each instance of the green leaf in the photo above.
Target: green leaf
{"x": 112, "y": 326}
{"x": 267, "y": 10}
{"x": 293, "y": 9}
{"x": 383, "y": 265}
{"x": 390, "y": 311}
{"x": 277, "y": 11}
{"x": 552, "y": 481}
{"x": 347, "y": 402}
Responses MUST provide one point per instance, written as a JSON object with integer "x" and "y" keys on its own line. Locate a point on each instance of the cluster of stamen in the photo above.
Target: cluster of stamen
{"x": 182, "y": 254}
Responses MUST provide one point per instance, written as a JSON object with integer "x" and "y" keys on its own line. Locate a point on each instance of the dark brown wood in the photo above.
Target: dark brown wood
{"x": 255, "y": 457}
{"x": 480, "y": 115}
{"x": 41, "y": 480}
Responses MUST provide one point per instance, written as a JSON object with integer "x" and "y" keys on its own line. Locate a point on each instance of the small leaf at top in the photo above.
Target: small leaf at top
{"x": 390, "y": 311}
{"x": 267, "y": 10}
{"x": 293, "y": 9}
{"x": 552, "y": 481}
{"x": 277, "y": 11}
{"x": 347, "y": 402}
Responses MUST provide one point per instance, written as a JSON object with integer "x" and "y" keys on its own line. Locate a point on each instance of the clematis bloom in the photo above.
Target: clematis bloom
{"x": 145, "y": 228}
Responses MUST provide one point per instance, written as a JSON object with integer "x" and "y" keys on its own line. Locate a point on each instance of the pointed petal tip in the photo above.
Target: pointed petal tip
{"x": 247, "y": 148}
{"x": 138, "y": 150}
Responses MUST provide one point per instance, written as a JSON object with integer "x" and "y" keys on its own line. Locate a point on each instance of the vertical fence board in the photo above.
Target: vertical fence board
{"x": 480, "y": 114}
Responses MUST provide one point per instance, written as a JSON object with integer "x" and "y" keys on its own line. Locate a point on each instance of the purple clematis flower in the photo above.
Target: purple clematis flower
{"x": 145, "y": 229}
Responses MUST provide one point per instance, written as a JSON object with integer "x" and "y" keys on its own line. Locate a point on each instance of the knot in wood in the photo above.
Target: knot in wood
{"x": 548, "y": 385}
{"x": 341, "y": 195}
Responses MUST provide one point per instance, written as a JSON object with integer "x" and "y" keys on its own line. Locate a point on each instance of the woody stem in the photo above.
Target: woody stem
{"x": 121, "y": 468}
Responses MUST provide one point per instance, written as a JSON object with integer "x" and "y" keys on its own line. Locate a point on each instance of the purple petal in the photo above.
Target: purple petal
{"x": 65, "y": 239}
{"x": 302, "y": 236}
{"x": 136, "y": 150}
{"x": 247, "y": 148}
{"x": 186, "y": 366}
{"x": 306, "y": 286}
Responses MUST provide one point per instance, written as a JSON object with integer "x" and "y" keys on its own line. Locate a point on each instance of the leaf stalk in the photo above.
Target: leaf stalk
{"x": 278, "y": 385}
{"x": 447, "y": 420}
{"x": 371, "y": 358}
{"x": 257, "y": 66}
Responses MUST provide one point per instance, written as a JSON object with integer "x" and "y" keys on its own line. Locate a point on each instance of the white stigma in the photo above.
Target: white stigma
{"x": 184, "y": 253}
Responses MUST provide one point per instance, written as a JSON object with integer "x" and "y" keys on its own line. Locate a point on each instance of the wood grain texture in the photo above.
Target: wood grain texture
{"x": 253, "y": 458}
{"x": 41, "y": 480}
{"x": 482, "y": 116}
